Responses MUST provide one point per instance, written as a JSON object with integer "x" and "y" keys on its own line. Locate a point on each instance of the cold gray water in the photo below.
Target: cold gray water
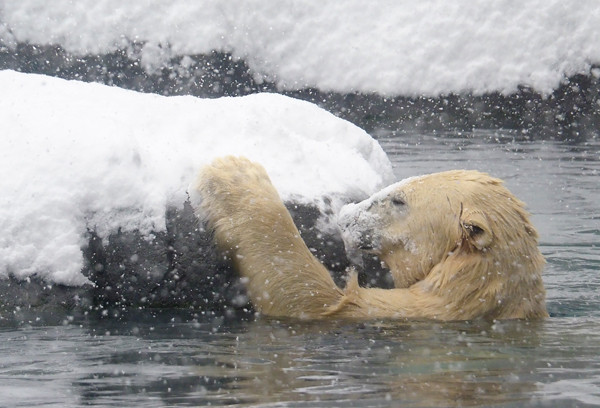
{"x": 183, "y": 358}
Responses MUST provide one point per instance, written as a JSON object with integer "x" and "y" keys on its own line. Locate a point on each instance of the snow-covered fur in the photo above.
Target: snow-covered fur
{"x": 459, "y": 246}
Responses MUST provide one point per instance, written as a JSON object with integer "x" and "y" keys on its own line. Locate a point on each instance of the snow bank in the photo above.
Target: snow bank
{"x": 75, "y": 156}
{"x": 400, "y": 47}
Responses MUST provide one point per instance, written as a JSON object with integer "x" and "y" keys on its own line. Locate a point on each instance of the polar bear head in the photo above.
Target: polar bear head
{"x": 450, "y": 228}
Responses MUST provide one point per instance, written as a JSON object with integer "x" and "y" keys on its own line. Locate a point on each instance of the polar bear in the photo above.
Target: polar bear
{"x": 458, "y": 244}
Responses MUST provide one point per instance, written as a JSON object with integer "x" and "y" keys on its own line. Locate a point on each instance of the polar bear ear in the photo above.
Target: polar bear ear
{"x": 476, "y": 229}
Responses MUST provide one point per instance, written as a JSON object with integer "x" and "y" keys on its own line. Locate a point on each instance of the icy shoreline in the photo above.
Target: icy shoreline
{"x": 428, "y": 48}
{"x": 91, "y": 166}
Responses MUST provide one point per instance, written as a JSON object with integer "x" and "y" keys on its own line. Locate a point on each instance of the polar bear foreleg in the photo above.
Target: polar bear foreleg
{"x": 254, "y": 228}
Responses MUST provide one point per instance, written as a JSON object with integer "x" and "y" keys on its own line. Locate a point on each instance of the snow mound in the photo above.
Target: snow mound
{"x": 76, "y": 156}
{"x": 392, "y": 48}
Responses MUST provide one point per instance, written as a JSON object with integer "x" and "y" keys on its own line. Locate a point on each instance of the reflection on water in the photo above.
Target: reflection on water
{"x": 178, "y": 358}
{"x": 174, "y": 358}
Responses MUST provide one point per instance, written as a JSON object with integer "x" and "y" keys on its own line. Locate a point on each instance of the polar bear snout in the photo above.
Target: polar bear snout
{"x": 358, "y": 227}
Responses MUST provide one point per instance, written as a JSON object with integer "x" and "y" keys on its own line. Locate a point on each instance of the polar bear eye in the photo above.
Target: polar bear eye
{"x": 475, "y": 230}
